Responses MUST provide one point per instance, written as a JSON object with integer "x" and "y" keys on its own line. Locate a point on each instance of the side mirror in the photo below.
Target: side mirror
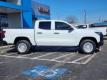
{"x": 70, "y": 30}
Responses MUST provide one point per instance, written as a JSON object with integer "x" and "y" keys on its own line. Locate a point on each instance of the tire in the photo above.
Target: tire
{"x": 23, "y": 47}
{"x": 87, "y": 46}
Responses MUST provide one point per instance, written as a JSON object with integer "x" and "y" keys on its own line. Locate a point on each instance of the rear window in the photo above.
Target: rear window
{"x": 45, "y": 25}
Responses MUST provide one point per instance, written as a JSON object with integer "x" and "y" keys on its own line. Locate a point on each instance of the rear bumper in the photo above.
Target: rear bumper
{"x": 1, "y": 42}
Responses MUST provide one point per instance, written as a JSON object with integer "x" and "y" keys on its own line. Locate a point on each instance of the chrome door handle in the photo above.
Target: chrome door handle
{"x": 56, "y": 33}
{"x": 39, "y": 32}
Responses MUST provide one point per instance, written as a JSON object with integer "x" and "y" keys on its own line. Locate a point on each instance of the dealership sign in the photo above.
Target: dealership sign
{"x": 43, "y": 10}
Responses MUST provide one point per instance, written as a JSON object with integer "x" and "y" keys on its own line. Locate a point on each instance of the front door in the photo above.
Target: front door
{"x": 64, "y": 34}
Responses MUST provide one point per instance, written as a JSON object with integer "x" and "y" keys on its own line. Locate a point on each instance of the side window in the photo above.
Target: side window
{"x": 62, "y": 26}
{"x": 45, "y": 25}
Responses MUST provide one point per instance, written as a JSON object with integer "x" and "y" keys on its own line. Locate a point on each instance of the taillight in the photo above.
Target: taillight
{"x": 2, "y": 34}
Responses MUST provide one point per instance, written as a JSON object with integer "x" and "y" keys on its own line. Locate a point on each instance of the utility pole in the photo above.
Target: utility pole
{"x": 99, "y": 19}
{"x": 85, "y": 16}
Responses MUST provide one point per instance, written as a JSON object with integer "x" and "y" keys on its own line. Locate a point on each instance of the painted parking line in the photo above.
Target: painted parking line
{"x": 14, "y": 57}
{"x": 63, "y": 56}
{"x": 55, "y": 59}
{"x": 90, "y": 57}
{"x": 81, "y": 58}
{"x": 5, "y": 50}
{"x": 44, "y": 55}
{"x": 4, "y": 47}
{"x": 10, "y": 54}
{"x": 62, "y": 61}
{"x": 24, "y": 55}
{"x": 74, "y": 61}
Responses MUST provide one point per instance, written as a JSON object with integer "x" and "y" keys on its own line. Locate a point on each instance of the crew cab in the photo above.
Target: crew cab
{"x": 96, "y": 28}
{"x": 54, "y": 33}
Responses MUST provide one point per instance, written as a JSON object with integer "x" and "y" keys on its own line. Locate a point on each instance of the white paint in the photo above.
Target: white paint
{"x": 90, "y": 58}
{"x": 64, "y": 55}
{"x": 7, "y": 46}
{"x": 80, "y": 58}
{"x": 10, "y": 54}
{"x": 5, "y": 50}
{"x": 44, "y": 55}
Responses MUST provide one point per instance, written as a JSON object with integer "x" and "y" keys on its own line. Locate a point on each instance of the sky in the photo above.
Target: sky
{"x": 60, "y": 9}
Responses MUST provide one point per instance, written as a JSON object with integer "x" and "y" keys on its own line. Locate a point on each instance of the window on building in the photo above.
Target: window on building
{"x": 45, "y": 25}
{"x": 62, "y": 26}
{"x": 18, "y": 2}
{"x": 3, "y": 0}
{"x": 3, "y": 20}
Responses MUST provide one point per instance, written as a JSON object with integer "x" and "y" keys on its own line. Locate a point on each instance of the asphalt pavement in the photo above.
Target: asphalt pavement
{"x": 78, "y": 66}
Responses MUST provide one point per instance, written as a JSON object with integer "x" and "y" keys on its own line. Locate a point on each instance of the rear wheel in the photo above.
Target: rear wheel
{"x": 23, "y": 46}
{"x": 87, "y": 46}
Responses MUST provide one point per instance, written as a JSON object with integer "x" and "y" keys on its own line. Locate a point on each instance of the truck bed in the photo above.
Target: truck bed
{"x": 11, "y": 34}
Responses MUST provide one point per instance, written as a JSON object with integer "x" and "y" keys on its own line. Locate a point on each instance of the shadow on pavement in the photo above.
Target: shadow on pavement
{"x": 48, "y": 49}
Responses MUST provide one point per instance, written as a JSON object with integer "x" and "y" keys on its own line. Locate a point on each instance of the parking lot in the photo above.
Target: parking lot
{"x": 79, "y": 66}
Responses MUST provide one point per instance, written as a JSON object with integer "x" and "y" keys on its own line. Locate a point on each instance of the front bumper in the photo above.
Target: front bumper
{"x": 101, "y": 43}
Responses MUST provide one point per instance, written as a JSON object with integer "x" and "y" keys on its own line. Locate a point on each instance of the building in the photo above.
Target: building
{"x": 22, "y": 13}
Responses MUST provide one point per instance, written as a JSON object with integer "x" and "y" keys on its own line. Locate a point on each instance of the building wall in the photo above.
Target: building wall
{"x": 27, "y": 9}
{"x": 18, "y": 2}
{"x": 14, "y": 20}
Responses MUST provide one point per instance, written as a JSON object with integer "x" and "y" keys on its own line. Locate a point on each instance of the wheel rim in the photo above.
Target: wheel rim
{"x": 88, "y": 47}
{"x": 22, "y": 47}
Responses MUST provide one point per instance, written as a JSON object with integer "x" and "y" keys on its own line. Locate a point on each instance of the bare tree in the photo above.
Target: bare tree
{"x": 105, "y": 21}
{"x": 71, "y": 19}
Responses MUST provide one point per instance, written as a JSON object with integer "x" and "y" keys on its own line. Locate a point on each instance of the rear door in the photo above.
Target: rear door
{"x": 44, "y": 33}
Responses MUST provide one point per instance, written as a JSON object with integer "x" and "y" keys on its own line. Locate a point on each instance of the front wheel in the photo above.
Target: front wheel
{"x": 87, "y": 46}
{"x": 23, "y": 46}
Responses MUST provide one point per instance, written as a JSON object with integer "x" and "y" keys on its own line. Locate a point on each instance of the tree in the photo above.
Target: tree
{"x": 71, "y": 19}
{"x": 105, "y": 21}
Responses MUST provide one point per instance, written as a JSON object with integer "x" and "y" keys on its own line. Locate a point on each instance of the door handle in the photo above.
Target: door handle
{"x": 56, "y": 33}
{"x": 39, "y": 32}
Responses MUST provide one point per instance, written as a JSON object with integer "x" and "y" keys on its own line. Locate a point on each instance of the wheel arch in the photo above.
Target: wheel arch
{"x": 21, "y": 38}
{"x": 90, "y": 38}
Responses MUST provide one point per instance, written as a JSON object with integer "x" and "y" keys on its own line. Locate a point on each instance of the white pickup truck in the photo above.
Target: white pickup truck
{"x": 53, "y": 33}
{"x": 102, "y": 29}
